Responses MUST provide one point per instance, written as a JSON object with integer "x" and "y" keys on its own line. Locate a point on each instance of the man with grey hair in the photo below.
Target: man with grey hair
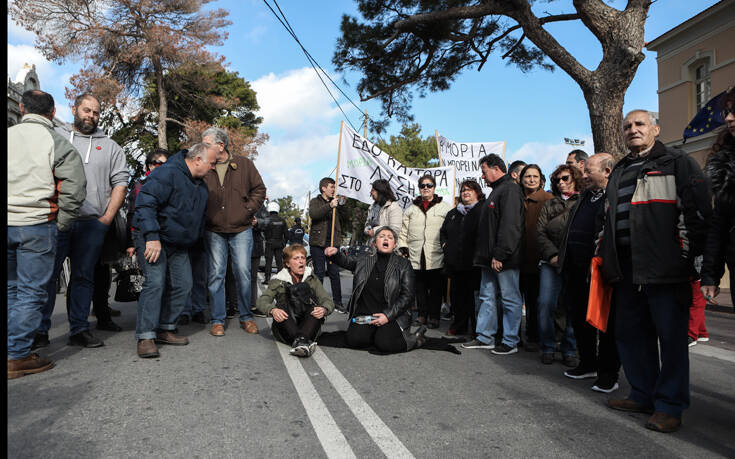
{"x": 236, "y": 192}
{"x": 656, "y": 211}
{"x": 169, "y": 219}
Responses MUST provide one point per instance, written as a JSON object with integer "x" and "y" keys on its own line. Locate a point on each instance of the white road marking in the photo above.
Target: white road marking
{"x": 329, "y": 434}
{"x": 375, "y": 427}
{"x": 712, "y": 351}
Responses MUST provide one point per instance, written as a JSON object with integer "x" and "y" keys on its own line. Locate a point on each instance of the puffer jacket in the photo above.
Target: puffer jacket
{"x": 720, "y": 246}
{"x": 458, "y": 237}
{"x": 502, "y": 226}
{"x": 170, "y": 205}
{"x": 551, "y": 225}
{"x": 274, "y": 295}
{"x": 669, "y": 211}
{"x": 420, "y": 232}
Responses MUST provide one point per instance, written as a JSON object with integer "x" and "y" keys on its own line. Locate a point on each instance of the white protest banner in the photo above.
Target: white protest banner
{"x": 465, "y": 156}
{"x": 361, "y": 162}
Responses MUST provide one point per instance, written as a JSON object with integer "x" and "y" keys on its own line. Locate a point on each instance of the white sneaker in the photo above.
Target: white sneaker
{"x": 692, "y": 341}
{"x": 703, "y": 339}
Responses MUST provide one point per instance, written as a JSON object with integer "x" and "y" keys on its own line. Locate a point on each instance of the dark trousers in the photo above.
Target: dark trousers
{"x": 529, "y": 283}
{"x": 100, "y": 294}
{"x": 320, "y": 262}
{"x": 602, "y": 357}
{"x": 272, "y": 251}
{"x": 462, "y": 292}
{"x": 254, "y": 262}
{"x": 648, "y": 316}
{"x": 386, "y": 338}
{"x": 307, "y": 326}
{"x": 429, "y": 292}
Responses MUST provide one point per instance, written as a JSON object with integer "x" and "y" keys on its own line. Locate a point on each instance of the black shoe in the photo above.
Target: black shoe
{"x": 199, "y": 318}
{"x": 114, "y": 312}
{"x": 504, "y": 349}
{"x": 39, "y": 341}
{"x": 232, "y": 312}
{"x": 183, "y": 320}
{"x": 85, "y": 339}
{"x": 570, "y": 361}
{"x": 580, "y": 373}
{"x": 340, "y": 309}
{"x": 300, "y": 347}
{"x": 606, "y": 383}
{"x": 108, "y": 325}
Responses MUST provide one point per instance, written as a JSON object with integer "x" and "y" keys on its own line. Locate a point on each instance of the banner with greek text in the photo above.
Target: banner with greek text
{"x": 362, "y": 162}
{"x": 465, "y": 156}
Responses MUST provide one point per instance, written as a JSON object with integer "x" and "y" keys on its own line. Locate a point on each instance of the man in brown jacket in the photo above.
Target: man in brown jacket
{"x": 236, "y": 192}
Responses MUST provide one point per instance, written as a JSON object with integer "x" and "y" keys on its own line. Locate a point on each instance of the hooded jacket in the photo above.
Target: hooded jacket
{"x": 104, "y": 166}
{"x": 46, "y": 179}
{"x": 502, "y": 225}
{"x": 420, "y": 232}
{"x": 170, "y": 205}
{"x": 720, "y": 246}
{"x": 669, "y": 211}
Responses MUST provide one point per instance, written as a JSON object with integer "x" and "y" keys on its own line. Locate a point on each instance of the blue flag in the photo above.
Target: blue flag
{"x": 707, "y": 119}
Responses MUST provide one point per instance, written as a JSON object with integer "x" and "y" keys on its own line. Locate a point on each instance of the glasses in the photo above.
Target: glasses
{"x": 426, "y": 185}
{"x": 564, "y": 178}
{"x": 156, "y": 163}
{"x": 727, "y": 111}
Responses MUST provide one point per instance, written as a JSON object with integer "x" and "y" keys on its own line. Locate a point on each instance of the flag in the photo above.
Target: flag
{"x": 707, "y": 119}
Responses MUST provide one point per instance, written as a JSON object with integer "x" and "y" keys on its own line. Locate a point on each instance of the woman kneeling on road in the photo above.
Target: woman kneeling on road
{"x": 301, "y": 303}
{"x": 382, "y": 290}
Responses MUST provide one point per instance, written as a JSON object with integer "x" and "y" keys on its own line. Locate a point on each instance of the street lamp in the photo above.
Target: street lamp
{"x": 573, "y": 142}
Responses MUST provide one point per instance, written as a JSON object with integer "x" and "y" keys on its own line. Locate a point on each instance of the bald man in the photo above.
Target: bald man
{"x": 585, "y": 221}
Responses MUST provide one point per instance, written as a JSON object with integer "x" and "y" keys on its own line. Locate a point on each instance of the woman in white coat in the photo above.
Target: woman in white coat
{"x": 419, "y": 240}
{"x": 385, "y": 211}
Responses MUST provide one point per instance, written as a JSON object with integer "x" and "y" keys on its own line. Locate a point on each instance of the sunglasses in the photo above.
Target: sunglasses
{"x": 156, "y": 163}
{"x": 563, "y": 179}
{"x": 727, "y": 111}
{"x": 426, "y": 185}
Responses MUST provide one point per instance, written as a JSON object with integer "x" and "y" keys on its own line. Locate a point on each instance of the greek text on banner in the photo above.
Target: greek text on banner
{"x": 465, "y": 157}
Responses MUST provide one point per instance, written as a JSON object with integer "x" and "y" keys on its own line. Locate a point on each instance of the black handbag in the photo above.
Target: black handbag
{"x": 129, "y": 281}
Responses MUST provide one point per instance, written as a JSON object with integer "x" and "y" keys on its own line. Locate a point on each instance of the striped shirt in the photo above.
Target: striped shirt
{"x": 626, "y": 188}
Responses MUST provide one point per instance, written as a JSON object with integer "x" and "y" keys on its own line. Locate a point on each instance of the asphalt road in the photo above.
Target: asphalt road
{"x": 244, "y": 396}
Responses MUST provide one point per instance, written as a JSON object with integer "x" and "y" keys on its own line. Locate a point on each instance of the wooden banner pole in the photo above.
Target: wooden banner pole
{"x": 438, "y": 150}
{"x": 336, "y": 182}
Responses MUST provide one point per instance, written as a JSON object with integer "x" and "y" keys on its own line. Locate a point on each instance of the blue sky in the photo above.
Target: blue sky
{"x": 532, "y": 112}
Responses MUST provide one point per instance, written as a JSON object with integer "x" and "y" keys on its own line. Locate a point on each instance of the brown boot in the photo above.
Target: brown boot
{"x": 249, "y": 326}
{"x": 663, "y": 422}
{"x": 626, "y": 404}
{"x": 28, "y": 366}
{"x": 167, "y": 337}
{"x": 147, "y": 349}
{"x": 217, "y": 330}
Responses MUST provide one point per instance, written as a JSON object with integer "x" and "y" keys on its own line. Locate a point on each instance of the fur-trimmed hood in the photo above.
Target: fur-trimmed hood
{"x": 285, "y": 276}
{"x": 720, "y": 169}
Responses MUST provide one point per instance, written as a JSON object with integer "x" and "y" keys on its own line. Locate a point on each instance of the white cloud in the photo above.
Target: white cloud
{"x": 19, "y": 34}
{"x": 18, "y": 55}
{"x": 548, "y": 155}
{"x": 295, "y": 102}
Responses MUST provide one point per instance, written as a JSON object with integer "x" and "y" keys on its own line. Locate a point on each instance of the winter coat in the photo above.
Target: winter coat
{"x": 552, "y": 224}
{"x": 296, "y": 234}
{"x": 458, "y": 236}
{"x": 533, "y": 204}
{"x": 105, "y": 167}
{"x": 389, "y": 214}
{"x": 276, "y": 291}
{"x": 46, "y": 180}
{"x": 233, "y": 204}
{"x": 276, "y": 232}
{"x": 258, "y": 238}
{"x": 502, "y": 226}
{"x": 321, "y": 223}
{"x": 720, "y": 245}
{"x": 669, "y": 211}
{"x": 170, "y": 205}
{"x": 420, "y": 232}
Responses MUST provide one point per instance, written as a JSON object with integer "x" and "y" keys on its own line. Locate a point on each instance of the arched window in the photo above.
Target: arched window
{"x": 701, "y": 85}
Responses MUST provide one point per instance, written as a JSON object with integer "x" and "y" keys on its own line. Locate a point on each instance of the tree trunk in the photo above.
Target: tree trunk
{"x": 605, "y": 106}
{"x": 162, "y": 105}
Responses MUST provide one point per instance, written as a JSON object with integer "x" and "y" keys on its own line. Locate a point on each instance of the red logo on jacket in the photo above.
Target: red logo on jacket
{"x": 491, "y": 205}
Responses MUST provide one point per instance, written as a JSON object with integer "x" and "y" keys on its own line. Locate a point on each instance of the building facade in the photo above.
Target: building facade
{"x": 27, "y": 79}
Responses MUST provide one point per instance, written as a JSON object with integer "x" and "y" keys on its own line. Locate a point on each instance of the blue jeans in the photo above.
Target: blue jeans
{"x": 319, "y": 260}
{"x": 548, "y": 298}
{"x": 166, "y": 287}
{"x": 197, "y": 300}
{"x": 31, "y": 252}
{"x": 505, "y": 281}
{"x": 239, "y": 246}
{"x": 83, "y": 245}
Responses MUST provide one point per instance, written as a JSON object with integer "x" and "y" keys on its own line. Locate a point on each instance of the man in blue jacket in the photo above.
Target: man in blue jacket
{"x": 169, "y": 218}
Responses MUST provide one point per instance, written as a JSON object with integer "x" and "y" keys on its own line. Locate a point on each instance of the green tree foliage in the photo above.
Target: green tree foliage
{"x": 410, "y": 149}
{"x": 288, "y": 210}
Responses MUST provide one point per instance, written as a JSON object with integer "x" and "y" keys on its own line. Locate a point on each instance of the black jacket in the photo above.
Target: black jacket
{"x": 258, "y": 238}
{"x": 599, "y": 219}
{"x": 399, "y": 283}
{"x": 720, "y": 246}
{"x": 458, "y": 236}
{"x": 668, "y": 218}
{"x": 276, "y": 231}
{"x": 170, "y": 205}
{"x": 296, "y": 234}
{"x": 502, "y": 226}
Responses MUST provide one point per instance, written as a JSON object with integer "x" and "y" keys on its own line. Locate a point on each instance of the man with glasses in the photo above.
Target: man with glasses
{"x": 236, "y": 192}
{"x": 499, "y": 254}
{"x": 657, "y": 207}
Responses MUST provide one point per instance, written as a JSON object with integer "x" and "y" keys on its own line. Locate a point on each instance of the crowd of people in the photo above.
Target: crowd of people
{"x": 661, "y": 227}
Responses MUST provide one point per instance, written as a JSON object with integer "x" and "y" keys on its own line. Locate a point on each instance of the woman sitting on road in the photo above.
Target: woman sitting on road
{"x": 382, "y": 288}
{"x": 301, "y": 303}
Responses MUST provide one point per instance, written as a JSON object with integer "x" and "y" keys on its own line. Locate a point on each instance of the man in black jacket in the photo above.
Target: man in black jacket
{"x": 575, "y": 255}
{"x": 276, "y": 235}
{"x": 296, "y": 232}
{"x": 498, "y": 253}
{"x": 657, "y": 205}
